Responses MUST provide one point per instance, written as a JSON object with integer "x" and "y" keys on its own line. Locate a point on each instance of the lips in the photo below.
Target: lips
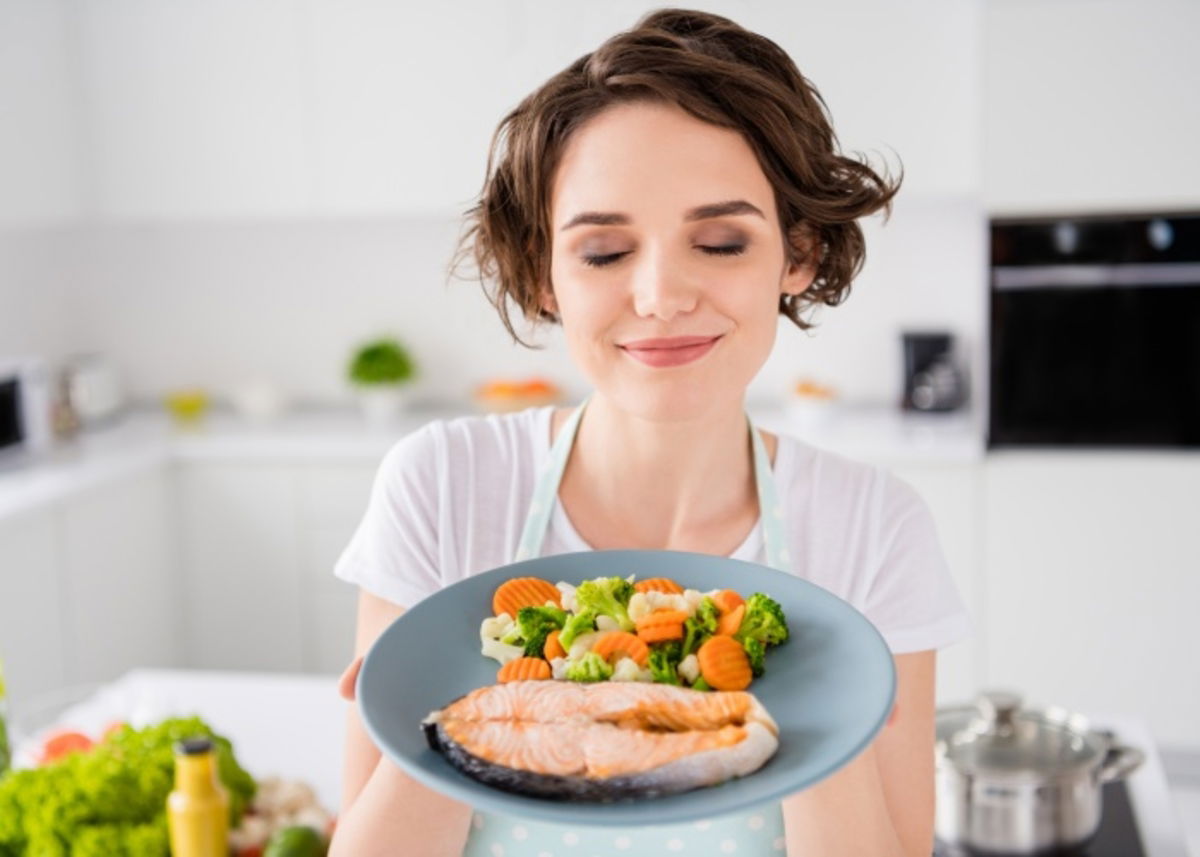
{"x": 672, "y": 351}
{"x": 670, "y": 342}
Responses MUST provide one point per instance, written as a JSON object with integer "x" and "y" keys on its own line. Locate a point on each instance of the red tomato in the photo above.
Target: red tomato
{"x": 63, "y": 742}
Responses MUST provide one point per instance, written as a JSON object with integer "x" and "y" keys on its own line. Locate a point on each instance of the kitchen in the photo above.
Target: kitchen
{"x": 218, "y": 204}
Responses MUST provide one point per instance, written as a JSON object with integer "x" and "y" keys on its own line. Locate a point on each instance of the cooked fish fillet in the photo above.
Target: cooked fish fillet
{"x": 602, "y": 741}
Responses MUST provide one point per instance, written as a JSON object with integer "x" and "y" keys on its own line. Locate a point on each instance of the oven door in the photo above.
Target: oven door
{"x": 1106, "y": 357}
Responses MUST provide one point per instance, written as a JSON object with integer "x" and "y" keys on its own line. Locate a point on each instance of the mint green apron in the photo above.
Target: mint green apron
{"x": 756, "y": 833}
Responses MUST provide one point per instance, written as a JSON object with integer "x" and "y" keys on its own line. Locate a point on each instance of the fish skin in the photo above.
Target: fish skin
{"x": 602, "y": 742}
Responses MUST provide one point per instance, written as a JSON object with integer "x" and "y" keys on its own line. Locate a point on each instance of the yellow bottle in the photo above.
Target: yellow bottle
{"x": 198, "y": 808}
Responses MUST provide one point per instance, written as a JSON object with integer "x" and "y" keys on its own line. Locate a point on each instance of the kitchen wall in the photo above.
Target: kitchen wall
{"x": 213, "y": 303}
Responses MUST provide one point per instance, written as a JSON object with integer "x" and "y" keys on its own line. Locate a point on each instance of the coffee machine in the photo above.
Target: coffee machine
{"x": 933, "y": 381}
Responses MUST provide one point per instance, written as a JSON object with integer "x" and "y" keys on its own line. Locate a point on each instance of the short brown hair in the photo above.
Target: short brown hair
{"x": 718, "y": 72}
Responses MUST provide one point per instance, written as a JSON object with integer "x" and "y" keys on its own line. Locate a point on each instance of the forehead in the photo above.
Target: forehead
{"x": 654, "y": 161}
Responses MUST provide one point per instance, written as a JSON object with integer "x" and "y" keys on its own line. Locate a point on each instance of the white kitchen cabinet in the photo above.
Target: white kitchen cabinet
{"x": 333, "y": 498}
{"x": 951, "y": 491}
{"x": 31, "y": 616}
{"x": 1085, "y": 106}
{"x": 196, "y": 109}
{"x": 258, "y": 542}
{"x": 120, "y": 582}
{"x": 40, "y": 181}
{"x": 240, "y": 544}
{"x": 1092, "y": 570}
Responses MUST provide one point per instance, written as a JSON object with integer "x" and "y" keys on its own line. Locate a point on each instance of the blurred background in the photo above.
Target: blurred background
{"x": 225, "y": 232}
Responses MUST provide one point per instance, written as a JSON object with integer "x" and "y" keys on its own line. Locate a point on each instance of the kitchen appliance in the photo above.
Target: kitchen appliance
{"x": 932, "y": 380}
{"x": 1013, "y": 780}
{"x": 94, "y": 389}
{"x": 25, "y": 403}
{"x": 1095, "y": 331}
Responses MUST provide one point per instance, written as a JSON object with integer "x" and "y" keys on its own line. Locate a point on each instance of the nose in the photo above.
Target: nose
{"x": 661, "y": 288}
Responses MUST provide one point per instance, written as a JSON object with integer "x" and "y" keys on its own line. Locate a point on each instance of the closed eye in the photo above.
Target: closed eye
{"x": 727, "y": 250}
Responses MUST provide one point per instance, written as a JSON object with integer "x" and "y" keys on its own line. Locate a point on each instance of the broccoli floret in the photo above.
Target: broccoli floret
{"x": 700, "y": 626}
{"x": 757, "y": 653}
{"x": 763, "y": 621}
{"x": 591, "y": 667}
{"x": 701, "y": 684}
{"x": 535, "y": 623}
{"x": 607, "y": 596}
{"x": 583, "y": 622}
{"x": 664, "y": 659}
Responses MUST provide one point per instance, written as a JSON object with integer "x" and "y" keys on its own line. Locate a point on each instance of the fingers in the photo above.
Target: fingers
{"x": 347, "y": 681}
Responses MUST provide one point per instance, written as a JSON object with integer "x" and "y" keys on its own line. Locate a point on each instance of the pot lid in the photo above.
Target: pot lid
{"x": 996, "y": 737}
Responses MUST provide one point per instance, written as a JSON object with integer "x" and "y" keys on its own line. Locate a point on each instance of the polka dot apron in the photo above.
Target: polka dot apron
{"x": 756, "y": 833}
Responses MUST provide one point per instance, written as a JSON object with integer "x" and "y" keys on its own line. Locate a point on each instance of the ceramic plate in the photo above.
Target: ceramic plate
{"x": 829, "y": 687}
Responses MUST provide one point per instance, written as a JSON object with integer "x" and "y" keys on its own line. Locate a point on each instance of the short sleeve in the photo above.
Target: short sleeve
{"x": 913, "y": 599}
{"x": 394, "y": 551}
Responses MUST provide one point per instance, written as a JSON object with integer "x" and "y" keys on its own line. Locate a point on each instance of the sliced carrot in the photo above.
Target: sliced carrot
{"x": 520, "y": 669}
{"x": 662, "y": 624}
{"x": 724, "y": 664}
{"x": 612, "y": 643}
{"x": 659, "y": 584}
{"x": 553, "y": 648}
{"x": 512, "y": 595}
{"x": 727, "y": 600}
{"x": 728, "y": 623}
{"x": 660, "y": 633}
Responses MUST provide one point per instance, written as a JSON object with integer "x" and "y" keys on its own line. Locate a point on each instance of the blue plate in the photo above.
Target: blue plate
{"x": 829, "y": 687}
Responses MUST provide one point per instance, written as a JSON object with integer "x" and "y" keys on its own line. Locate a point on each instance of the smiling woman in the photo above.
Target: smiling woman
{"x": 665, "y": 199}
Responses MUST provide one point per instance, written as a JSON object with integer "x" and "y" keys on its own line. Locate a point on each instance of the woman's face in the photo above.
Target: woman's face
{"x": 664, "y": 227}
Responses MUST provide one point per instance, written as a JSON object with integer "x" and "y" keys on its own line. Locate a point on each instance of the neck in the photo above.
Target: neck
{"x": 664, "y": 483}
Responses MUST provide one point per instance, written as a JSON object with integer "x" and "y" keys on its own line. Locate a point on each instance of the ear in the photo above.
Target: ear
{"x": 799, "y": 275}
{"x": 546, "y": 299}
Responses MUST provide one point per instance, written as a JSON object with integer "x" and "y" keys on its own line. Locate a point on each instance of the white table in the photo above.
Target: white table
{"x": 293, "y": 726}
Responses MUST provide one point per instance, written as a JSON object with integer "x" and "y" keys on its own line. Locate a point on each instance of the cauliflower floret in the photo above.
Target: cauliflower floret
{"x": 568, "y": 597}
{"x": 582, "y": 645}
{"x": 689, "y": 668}
{"x": 490, "y": 632}
{"x": 502, "y": 652}
{"x": 668, "y": 601}
{"x": 693, "y": 597}
{"x": 558, "y": 668}
{"x": 626, "y": 670}
{"x": 607, "y": 623}
{"x": 638, "y": 606}
{"x": 495, "y": 627}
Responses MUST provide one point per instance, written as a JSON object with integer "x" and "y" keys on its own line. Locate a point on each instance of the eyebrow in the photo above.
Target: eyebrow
{"x": 701, "y": 212}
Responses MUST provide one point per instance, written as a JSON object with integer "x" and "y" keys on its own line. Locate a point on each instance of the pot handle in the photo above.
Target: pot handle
{"x": 1120, "y": 762}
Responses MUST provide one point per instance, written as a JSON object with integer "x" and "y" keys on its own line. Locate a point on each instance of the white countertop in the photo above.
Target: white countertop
{"x": 293, "y": 726}
{"x": 144, "y": 438}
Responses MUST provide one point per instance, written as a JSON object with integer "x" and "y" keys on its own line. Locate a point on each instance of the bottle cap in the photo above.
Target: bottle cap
{"x": 193, "y": 746}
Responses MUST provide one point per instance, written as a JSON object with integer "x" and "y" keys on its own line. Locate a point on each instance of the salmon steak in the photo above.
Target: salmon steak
{"x": 606, "y": 741}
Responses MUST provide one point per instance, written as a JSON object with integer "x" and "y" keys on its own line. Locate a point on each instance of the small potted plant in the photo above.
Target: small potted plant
{"x": 380, "y": 369}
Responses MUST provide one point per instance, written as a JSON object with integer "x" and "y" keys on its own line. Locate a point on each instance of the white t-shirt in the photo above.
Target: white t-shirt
{"x": 450, "y": 499}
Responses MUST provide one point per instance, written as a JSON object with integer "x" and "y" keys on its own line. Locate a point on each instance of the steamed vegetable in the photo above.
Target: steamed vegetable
{"x": 723, "y": 663}
{"x": 763, "y": 621}
{"x": 607, "y": 596}
{"x": 756, "y": 652}
{"x": 519, "y": 592}
{"x": 523, "y": 669}
{"x": 591, "y": 667}
{"x": 700, "y": 627}
{"x": 534, "y": 624}
{"x": 664, "y": 661}
{"x": 583, "y": 622}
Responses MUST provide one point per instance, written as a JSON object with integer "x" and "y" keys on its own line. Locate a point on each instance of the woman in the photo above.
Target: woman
{"x": 665, "y": 199}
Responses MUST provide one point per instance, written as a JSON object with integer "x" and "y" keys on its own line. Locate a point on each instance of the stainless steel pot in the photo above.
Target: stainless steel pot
{"x": 1022, "y": 781}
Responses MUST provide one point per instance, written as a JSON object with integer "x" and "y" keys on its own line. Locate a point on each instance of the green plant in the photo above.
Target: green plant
{"x": 382, "y": 361}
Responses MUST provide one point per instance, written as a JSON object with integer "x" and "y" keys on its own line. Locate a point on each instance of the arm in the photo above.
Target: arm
{"x": 384, "y": 811}
{"x": 881, "y": 804}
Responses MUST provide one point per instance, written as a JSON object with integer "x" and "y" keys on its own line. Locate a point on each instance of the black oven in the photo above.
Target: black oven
{"x": 1095, "y": 331}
